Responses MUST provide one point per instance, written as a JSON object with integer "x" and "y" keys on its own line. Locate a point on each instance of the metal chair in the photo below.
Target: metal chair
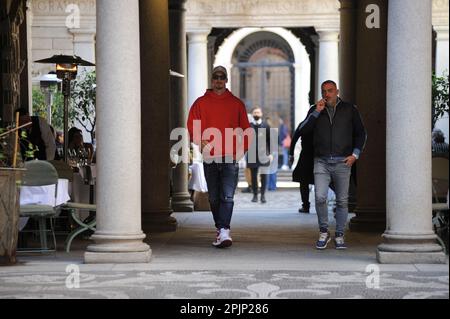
{"x": 40, "y": 173}
{"x": 73, "y": 208}
{"x": 63, "y": 222}
{"x": 84, "y": 225}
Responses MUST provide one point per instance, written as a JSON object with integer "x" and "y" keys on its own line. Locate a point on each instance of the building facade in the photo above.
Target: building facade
{"x": 376, "y": 50}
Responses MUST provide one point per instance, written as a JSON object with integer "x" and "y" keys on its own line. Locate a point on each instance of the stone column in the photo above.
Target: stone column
{"x": 155, "y": 82}
{"x": 197, "y": 64}
{"x": 118, "y": 238}
{"x": 347, "y": 50}
{"x": 181, "y": 201}
{"x": 370, "y": 75}
{"x": 328, "y": 58}
{"x": 409, "y": 237}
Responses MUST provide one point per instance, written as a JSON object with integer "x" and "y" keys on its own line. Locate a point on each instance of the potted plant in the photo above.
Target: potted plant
{"x": 11, "y": 168}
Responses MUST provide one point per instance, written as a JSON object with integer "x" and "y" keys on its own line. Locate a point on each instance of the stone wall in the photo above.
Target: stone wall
{"x": 50, "y": 35}
{"x": 54, "y": 30}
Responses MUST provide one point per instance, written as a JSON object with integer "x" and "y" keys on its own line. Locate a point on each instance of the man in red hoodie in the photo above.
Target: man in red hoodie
{"x": 218, "y": 123}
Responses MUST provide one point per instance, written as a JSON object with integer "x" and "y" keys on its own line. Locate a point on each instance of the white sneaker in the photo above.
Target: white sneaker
{"x": 223, "y": 239}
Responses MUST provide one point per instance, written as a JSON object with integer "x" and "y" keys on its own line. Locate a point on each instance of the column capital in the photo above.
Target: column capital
{"x": 198, "y": 35}
{"x": 83, "y": 35}
{"x": 442, "y": 33}
{"x": 199, "y": 31}
{"x": 328, "y": 35}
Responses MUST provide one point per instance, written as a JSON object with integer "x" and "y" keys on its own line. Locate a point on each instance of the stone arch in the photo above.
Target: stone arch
{"x": 257, "y": 44}
{"x": 264, "y": 64}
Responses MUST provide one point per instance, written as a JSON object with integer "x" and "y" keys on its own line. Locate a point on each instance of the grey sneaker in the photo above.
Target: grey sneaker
{"x": 324, "y": 239}
{"x": 339, "y": 242}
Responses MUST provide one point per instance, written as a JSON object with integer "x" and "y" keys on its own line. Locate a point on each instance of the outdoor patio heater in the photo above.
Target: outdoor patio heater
{"x": 66, "y": 70}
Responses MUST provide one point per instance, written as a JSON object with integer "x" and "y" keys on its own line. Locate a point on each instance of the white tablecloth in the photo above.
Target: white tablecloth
{"x": 43, "y": 195}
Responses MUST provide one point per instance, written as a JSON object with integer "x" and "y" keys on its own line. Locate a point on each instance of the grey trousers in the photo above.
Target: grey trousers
{"x": 326, "y": 172}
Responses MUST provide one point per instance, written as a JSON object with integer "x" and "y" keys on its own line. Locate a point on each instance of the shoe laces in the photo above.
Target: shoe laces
{"x": 339, "y": 240}
{"x": 323, "y": 236}
{"x": 224, "y": 233}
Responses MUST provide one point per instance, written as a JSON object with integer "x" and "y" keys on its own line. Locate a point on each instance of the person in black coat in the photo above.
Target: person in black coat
{"x": 304, "y": 171}
{"x": 262, "y": 157}
{"x": 339, "y": 139}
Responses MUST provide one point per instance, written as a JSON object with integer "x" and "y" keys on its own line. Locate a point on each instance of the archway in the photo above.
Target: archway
{"x": 263, "y": 75}
{"x": 301, "y": 64}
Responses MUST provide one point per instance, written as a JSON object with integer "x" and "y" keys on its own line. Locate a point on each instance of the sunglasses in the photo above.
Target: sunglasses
{"x": 219, "y": 77}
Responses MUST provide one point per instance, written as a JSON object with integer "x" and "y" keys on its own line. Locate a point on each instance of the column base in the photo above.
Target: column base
{"x": 111, "y": 248}
{"x": 117, "y": 258}
{"x": 385, "y": 257}
{"x": 181, "y": 203}
{"x": 368, "y": 221}
{"x": 158, "y": 223}
{"x": 404, "y": 248}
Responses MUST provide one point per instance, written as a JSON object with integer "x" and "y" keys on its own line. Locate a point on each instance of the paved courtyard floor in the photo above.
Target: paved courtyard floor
{"x": 273, "y": 256}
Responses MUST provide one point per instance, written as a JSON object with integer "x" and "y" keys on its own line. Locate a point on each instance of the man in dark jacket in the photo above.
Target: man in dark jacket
{"x": 339, "y": 138}
{"x": 262, "y": 159}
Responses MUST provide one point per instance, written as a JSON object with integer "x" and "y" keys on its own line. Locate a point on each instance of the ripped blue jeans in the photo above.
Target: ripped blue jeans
{"x": 222, "y": 179}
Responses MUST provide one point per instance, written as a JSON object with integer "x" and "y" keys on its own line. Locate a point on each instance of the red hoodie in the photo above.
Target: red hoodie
{"x": 220, "y": 112}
